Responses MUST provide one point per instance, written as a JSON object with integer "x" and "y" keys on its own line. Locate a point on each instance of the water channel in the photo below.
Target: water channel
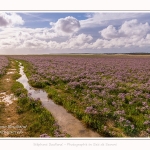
{"x": 67, "y": 122}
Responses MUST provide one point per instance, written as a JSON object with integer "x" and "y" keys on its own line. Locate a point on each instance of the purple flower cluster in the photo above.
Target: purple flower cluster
{"x": 3, "y": 64}
{"x": 119, "y": 112}
{"x": 146, "y": 122}
{"x": 90, "y": 110}
{"x": 126, "y": 123}
{"x": 44, "y": 135}
{"x": 118, "y": 85}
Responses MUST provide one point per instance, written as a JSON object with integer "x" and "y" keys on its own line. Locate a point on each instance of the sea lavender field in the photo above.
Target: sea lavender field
{"x": 110, "y": 94}
{"x": 3, "y": 64}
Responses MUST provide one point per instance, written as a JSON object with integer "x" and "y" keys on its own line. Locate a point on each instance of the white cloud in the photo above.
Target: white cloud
{"x": 130, "y": 33}
{"x": 3, "y": 21}
{"x": 66, "y": 26}
{"x": 34, "y": 44}
{"x": 109, "y": 32}
{"x": 23, "y": 34}
{"x": 148, "y": 37}
{"x": 8, "y": 43}
{"x": 132, "y": 29}
{"x": 10, "y": 19}
{"x": 79, "y": 42}
{"x": 22, "y": 38}
{"x": 53, "y": 45}
{"x": 43, "y": 38}
{"x": 98, "y": 19}
{"x": 114, "y": 16}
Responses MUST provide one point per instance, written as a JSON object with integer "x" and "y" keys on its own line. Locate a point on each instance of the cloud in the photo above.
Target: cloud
{"x": 114, "y": 16}
{"x": 134, "y": 28}
{"x": 130, "y": 29}
{"x": 34, "y": 44}
{"x": 79, "y": 42}
{"x": 23, "y": 34}
{"x": 109, "y": 32}
{"x": 65, "y": 26}
{"x": 3, "y": 21}
{"x": 101, "y": 19}
{"x": 10, "y": 19}
{"x": 8, "y": 43}
{"x": 131, "y": 33}
{"x": 46, "y": 34}
{"x": 19, "y": 38}
{"x": 53, "y": 45}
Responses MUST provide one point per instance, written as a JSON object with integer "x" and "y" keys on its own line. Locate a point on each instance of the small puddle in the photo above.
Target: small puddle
{"x": 7, "y": 80}
{"x": 11, "y": 72}
{"x": 12, "y": 69}
{"x": 8, "y": 99}
{"x": 65, "y": 120}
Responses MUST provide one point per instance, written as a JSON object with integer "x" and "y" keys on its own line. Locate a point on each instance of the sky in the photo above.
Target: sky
{"x": 74, "y": 32}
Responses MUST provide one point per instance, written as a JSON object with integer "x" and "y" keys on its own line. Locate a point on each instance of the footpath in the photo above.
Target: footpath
{"x": 9, "y": 125}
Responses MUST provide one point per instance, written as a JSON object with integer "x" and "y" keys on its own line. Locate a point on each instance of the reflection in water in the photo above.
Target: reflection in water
{"x": 66, "y": 121}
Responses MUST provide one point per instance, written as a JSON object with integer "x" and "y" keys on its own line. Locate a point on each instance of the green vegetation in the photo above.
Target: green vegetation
{"x": 73, "y": 101}
{"x": 27, "y": 112}
{"x": 110, "y": 95}
{"x": 32, "y": 114}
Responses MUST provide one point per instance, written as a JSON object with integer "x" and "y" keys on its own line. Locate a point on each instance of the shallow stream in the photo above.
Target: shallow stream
{"x": 67, "y": 122}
